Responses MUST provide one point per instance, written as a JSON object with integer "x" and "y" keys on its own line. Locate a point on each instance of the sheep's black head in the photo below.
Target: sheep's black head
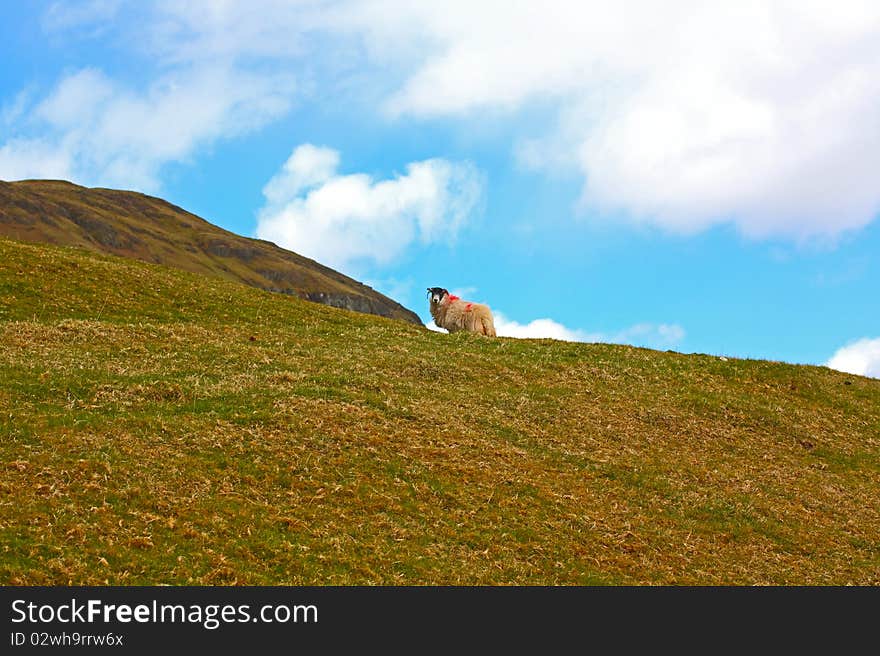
{"x": 436, "y": 294}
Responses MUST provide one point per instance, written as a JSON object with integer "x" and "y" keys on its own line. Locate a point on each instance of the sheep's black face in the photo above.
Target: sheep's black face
{"x": 436, "y": 294}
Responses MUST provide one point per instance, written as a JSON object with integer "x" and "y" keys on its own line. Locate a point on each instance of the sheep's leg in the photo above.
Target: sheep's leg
{"x": 488, "y": 327}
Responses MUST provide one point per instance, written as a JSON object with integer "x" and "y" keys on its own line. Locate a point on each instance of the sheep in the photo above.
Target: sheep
{"x": 454, "y": 314}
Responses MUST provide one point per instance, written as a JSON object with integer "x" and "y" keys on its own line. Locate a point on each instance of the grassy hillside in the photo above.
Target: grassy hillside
{"x": 162, "y": 427}
{"x": 152, "y": 230}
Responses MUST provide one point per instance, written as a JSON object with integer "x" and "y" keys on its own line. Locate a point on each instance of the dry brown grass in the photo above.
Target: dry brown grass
{"x": 158, "y": 427}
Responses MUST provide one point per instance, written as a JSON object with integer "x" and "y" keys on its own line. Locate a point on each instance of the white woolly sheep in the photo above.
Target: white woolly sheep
{"x": 454, "y": 314}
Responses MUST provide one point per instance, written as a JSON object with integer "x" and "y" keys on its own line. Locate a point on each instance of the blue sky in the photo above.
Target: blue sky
{"x": 701, "y": 177}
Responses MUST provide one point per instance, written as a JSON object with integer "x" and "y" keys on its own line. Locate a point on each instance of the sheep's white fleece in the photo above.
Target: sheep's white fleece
{"x": 454, "y": 314}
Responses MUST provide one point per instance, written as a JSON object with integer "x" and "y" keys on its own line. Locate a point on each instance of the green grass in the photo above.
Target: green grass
{"x": 157, "y": 427}
{"x": 150, "y": 229}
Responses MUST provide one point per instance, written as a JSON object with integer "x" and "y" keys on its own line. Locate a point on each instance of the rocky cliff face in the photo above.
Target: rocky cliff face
{"x": 350, "y": 302}
{"x": 146, "y": 228}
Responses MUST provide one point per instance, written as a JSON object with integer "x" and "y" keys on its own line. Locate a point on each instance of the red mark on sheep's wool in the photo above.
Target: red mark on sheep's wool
{"x": 453, "y": 297}
{"x": 467, "y": 308}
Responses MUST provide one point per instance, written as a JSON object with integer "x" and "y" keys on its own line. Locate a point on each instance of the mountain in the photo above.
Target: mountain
{"x": 150, "y": 229}
{"x": 159, "y": 426}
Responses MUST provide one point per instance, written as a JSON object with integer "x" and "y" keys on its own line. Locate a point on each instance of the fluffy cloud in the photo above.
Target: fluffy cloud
{"x": 340, "y": 220}
{"x": 643, "y": 334}
{"x": 94, "y": 131}
{"x": 861, "y": 357}
{"x": 541, "y": 328}
{"x": 683, "y": 115}
{"x": 308, "y": 166}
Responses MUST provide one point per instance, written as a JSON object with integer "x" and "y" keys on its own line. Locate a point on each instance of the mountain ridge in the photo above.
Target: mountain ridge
{"x": 148, "y": 228}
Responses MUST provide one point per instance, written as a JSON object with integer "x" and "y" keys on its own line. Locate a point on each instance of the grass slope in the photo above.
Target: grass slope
{"x": 150, "y": 229}
{"x": 162, "y": 427}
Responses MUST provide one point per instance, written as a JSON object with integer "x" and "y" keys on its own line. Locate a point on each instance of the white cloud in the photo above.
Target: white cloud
{"x": 61, "y": 16}
{"x": 307, "y": 167}
{"x": 643, "y": 334}
{"x": 207, "y": 30}
{"x": 78, "y": 99}
{"x": 94, "y": 131}
{"x": 339, "y": 220}
{"x": 540, "y": 328}
{"x": 862, "y": 357}
{"x": 21, "y": 159}
{"x": 680, "y": 114}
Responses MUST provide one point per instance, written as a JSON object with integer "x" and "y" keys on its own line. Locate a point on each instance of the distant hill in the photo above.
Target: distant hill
{"x": 159, "y": 426}
{"x": 150, "y": 229}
